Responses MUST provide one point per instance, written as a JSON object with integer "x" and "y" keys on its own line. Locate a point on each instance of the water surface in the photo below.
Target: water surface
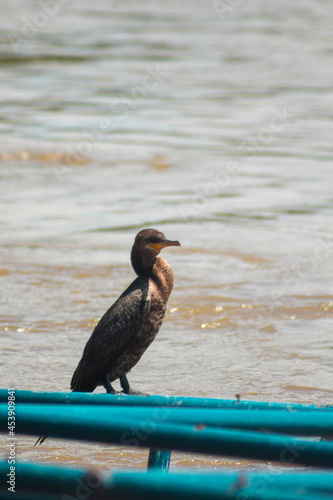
{"x": 216, "y": 130}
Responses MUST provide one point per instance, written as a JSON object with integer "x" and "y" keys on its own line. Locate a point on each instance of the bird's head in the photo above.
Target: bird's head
{"x": 147, "y": 245}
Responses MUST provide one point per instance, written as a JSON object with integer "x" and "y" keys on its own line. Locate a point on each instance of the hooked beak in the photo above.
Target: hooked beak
{"x": 165, "y": 243}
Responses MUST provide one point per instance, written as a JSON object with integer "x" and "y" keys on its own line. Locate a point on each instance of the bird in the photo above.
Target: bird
{"x": 130, "y": 325}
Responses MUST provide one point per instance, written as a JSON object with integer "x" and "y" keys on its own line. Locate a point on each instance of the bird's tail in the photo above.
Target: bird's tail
{"x": 40, "y": 440}
{"x": 78, "y": 384}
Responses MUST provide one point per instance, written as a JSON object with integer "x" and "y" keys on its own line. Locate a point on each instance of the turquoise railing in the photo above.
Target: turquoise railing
{"x": 49, "y": 482}
{"x": 286, "y": 434}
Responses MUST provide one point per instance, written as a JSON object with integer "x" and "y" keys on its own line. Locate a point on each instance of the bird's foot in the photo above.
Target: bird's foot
{"x": 127, "y": 389}
{"x": 135, "y": 393}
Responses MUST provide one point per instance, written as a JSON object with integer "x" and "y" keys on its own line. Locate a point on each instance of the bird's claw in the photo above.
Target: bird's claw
{"x": 135, "y": 393}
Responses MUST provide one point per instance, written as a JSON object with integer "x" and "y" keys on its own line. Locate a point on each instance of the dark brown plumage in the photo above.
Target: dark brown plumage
{"x": 130, "y": 325}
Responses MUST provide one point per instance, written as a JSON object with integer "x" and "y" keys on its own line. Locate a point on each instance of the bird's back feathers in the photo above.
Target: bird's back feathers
{"x": 115, "y": 330}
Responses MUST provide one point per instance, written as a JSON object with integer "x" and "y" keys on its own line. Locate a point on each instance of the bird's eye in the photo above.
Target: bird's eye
{"x": 154, "y": 239}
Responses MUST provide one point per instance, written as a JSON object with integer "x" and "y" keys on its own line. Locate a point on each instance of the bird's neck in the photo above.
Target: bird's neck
{"x": 141, "y": 264}
{"x": 162, "y": 275}
{"x": 157, "y": 269}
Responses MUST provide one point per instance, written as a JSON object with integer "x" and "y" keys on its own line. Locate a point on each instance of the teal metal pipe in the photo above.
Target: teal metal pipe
{"x": 159, "y": 460}
{"x": 49, "y": 480}
{"x": 301, "y": 423}
{"x": 230, "y": 482}
{"x": 54, "y": 422}
{"x": 23, "y": 396}
{"x": 61, "y": 483}
{"x": 202, "y": 487}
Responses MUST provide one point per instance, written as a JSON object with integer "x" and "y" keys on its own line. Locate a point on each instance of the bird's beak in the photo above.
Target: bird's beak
{"x": 165, "y": 243}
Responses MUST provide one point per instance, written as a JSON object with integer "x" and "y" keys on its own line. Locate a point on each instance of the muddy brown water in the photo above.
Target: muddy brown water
{"x": 215, "y": 128}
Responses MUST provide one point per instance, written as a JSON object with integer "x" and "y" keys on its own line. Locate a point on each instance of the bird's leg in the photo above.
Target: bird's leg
{"x": 107, "y": 385}
{"x": 126, "y": 387}
{"x": 125, "y": 384}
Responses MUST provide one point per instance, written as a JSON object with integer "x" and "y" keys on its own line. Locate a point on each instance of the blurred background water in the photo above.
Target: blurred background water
{"x": 211, "y": 121}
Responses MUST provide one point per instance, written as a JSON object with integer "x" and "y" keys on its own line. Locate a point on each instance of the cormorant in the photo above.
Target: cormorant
{"x": 130, "y": 325}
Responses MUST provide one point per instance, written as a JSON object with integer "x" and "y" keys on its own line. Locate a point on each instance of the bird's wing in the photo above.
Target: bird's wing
{"x": 117, "y": 327}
